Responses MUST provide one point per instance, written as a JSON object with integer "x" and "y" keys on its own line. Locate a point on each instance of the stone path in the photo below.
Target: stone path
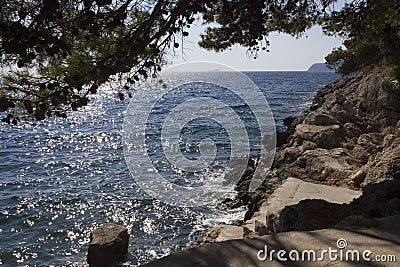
{"x": 291, "y": 192}
{"x": 383, "y": 241}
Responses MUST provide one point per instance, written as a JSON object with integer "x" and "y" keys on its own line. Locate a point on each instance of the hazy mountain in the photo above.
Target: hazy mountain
{"x": 319, "y": 67}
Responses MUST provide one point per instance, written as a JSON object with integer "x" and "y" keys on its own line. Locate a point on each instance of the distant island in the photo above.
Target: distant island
{"x": 319, "y": 67}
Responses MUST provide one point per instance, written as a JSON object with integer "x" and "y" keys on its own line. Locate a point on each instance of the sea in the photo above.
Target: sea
{"x": 62, "y": 178}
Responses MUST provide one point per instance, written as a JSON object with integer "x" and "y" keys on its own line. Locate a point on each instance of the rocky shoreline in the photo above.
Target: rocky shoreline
{"x": 336, "y": 173}
{"x": 348, "y": 139}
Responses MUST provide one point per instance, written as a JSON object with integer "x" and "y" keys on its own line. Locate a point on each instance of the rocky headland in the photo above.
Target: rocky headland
{"x": 319, "y": 67}
{"x": 338, "y": 164}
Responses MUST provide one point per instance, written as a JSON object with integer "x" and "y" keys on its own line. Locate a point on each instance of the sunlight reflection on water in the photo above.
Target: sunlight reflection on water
{"x": 62, "y": 178}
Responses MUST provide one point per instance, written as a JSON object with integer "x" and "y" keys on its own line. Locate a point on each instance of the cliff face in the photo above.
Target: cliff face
{"x": 350, "y": 137}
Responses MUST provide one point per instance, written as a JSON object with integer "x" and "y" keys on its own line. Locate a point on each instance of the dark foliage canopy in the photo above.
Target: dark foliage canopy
{"x": 55, "y": 53}
{"x": 372, "y": 35}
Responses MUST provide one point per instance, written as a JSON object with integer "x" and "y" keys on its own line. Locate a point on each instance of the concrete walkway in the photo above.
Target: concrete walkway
{"x": 291, "y": 192}
{"x": 384, "y": 241}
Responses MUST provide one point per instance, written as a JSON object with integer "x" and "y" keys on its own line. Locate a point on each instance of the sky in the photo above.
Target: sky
{"x": 286, "y": 52}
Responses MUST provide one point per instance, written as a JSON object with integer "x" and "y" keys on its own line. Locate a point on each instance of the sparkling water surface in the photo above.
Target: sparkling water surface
{"x": 61, "y": 178}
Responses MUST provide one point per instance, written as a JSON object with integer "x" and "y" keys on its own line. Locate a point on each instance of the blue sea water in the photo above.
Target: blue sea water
{"x": 61, "y": 178}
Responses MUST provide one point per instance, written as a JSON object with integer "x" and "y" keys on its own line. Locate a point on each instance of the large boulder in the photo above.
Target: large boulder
{"x": 377, "y": 201}
{"x": 325, "y": 136}
{"x": 320, "y": 119}
{"x": 292, "y": 192}
{"x": 323, "y": 165}
{"x": 221, "y": 233}
{"x": 108, "y": 245}
{"x": 313, "y": 214}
